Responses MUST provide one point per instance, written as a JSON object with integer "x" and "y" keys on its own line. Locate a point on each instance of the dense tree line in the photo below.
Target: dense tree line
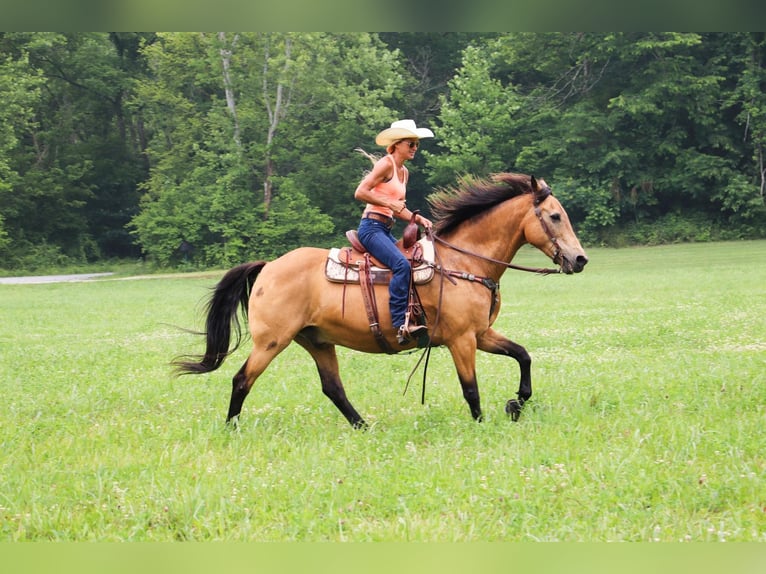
{"x": 214, "y": 148}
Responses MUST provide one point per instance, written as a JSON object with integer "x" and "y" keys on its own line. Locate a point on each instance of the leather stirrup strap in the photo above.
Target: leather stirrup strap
{"x": 371, "y": 305}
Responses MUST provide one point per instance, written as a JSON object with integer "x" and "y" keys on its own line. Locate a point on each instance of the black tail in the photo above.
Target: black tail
{"x": 230, "y": 295}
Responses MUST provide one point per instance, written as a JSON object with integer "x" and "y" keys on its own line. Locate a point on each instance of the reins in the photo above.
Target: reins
{"x": 539, "y": 270}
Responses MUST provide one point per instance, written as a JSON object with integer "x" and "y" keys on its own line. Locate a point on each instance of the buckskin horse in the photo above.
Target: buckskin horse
{"x": 479, "y": 225}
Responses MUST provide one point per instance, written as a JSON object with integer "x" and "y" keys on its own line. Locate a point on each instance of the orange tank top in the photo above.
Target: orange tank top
{"x": 391, "y": 189}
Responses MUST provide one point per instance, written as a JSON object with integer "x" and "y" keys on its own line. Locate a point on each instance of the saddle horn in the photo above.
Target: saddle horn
{"x": 411, "y": 232}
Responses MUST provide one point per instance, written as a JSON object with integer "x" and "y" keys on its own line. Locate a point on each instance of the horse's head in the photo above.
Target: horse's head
{"x": 547, "y": 227}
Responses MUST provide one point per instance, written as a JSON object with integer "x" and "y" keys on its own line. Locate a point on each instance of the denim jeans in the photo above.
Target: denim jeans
{"x": 377, "y": 238}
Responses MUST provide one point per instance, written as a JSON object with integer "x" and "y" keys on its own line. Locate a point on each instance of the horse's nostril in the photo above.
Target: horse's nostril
{"x": 582, "y": 260}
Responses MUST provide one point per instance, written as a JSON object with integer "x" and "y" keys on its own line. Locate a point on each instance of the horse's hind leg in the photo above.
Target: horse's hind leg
{"x": 493, "y": 342}
{"x": 240, "y": 389}
{"x": 327, "y": 364}
{"x": 243, "y": 381}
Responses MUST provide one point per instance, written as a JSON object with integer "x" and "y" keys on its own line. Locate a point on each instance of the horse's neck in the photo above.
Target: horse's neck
{"x": 498, "y": 236}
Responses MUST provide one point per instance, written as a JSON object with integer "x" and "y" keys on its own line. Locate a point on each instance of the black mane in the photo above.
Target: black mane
{"x": 450, "y": 206}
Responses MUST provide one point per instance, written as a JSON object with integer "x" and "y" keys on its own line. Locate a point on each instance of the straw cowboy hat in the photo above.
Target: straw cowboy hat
{"x": 403, "y": 129}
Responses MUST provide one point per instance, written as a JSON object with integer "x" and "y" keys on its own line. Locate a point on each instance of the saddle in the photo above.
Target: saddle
{"x": 343, "y": 263}
{"x": 356, "y": 266}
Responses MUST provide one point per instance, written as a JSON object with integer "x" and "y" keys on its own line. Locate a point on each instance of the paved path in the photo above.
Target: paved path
{"x": 51, "y": 278}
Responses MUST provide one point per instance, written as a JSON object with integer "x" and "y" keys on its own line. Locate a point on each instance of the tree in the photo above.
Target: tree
{"x": 628, "y": 127}
{"x": 745, "y": 53}
{"x": 19, "y": 87}
{"x": 77, "y": 164}
{"x": 476, "y": 121}
{"x": 429, "y": 61}
{"x": 300, "y": 102}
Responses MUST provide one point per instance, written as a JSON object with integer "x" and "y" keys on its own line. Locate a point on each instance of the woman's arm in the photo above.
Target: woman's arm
{"x": 382, "y": 171}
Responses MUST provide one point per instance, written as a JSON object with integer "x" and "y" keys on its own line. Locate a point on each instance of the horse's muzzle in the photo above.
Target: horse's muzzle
{"x": 570, "y": 266}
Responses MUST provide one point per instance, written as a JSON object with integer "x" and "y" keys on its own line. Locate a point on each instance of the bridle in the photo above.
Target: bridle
{"x": 538, "y": 212}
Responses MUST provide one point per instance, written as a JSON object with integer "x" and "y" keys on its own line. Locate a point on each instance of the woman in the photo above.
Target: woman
{"x": 384, "y": 190}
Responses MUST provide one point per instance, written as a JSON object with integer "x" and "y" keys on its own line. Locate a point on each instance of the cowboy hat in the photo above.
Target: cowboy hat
{"x": 400, "y": 130}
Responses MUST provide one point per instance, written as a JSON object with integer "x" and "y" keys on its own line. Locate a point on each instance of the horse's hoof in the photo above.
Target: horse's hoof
{"x": 513, "y": 409}
{"x": 360, "y": 425}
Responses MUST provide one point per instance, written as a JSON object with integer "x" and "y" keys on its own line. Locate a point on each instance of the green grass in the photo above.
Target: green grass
{"x": 647, "y": 420}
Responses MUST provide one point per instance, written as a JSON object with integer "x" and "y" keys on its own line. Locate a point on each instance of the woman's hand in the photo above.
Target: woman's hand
{"x": 420, "y": 220}
{"x": 397, "y": 206}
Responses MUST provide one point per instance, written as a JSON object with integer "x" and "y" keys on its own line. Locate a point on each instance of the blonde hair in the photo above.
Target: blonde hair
{"x": 371, "y": 156}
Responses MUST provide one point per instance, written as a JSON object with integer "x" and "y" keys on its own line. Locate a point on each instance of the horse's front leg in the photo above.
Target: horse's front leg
{"x": 493, "y": 342}
{"x": 463, "y": 352}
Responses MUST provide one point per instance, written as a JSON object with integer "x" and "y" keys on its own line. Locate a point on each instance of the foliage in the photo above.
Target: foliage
{"x": 677, "y": 227}
{"x": 20, "y": 90}
{"x": 182, "y": 146}
{"x": 294, "y": 114}
{"x": 627, "y": 127}
{"x": 476, "y": 118}
{"x": 76, "y": 164}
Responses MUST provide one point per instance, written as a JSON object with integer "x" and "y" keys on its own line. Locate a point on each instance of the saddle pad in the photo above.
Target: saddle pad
{"x": 338, "y": 271}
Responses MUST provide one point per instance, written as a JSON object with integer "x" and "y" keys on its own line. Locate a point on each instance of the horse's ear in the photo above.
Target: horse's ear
{"x": 536, "y": 189}
{"x": 540, "y": 191}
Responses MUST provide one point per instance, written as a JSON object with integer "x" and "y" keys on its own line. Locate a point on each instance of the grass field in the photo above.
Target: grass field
{"x": 648, "y": 421}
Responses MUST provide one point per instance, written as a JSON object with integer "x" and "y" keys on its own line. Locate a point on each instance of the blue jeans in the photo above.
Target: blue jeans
{"x": 377, "y": 238}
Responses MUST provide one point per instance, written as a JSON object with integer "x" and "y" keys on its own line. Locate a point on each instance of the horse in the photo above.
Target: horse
{"x": 479, "y": 225}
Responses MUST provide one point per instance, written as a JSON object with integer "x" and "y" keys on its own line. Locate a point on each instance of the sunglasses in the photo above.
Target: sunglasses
{"x": 412, "y": 144}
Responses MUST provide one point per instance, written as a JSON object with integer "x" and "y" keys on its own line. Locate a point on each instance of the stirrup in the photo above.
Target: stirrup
{"x": 405, "y": 335}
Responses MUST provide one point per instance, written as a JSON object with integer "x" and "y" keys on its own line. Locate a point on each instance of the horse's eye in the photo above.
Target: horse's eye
{"x": 556, "y": 217}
